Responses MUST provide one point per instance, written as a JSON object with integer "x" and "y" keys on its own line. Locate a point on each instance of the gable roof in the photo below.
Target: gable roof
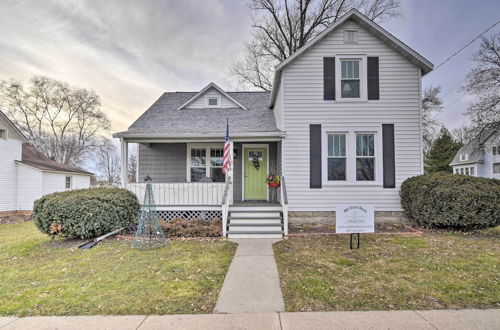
{"x": 200, "y": 93}
{"x": 13, "y": 126}
{"x": 34, "y": 158}
{"x": 163, "y": 119}
{"x": 353, "y": 14}
{"x": 475, "y": 149}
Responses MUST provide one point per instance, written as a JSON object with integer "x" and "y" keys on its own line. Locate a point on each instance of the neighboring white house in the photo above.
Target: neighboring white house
{"x": 479, "y": 158}
{"x": 343, "y": 124}
{"x": 26, "y": 174}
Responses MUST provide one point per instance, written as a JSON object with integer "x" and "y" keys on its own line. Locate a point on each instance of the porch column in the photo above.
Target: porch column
{"x": 231, "y": 171}
{"x": 124, "y": 167}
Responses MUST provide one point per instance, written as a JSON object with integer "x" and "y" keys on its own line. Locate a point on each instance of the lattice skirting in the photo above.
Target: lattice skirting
{"x": 190, "y": 215}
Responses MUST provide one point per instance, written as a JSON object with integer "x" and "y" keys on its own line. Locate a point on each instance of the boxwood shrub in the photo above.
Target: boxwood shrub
{"x": 85, "y": 213}
{"x": 451, "y": 201}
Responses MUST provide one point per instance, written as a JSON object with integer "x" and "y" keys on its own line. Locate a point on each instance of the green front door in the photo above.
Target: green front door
{"x": 255, "y": 186}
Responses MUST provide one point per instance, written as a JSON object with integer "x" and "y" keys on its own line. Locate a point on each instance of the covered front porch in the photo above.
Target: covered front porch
{"x": 188, "y": 181}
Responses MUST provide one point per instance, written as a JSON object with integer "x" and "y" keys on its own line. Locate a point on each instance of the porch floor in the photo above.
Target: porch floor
{"x": 256, "y": 203}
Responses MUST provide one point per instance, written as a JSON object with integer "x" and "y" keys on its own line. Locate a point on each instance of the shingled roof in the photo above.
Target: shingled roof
{"x": 164, "y": 118}
{"x": 35, "y": 158}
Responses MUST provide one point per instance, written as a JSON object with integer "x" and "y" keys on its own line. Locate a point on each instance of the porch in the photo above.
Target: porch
{"x": 188, "y": 182}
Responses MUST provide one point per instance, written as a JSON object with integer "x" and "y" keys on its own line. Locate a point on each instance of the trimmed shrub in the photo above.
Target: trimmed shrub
{"x": 192, "y": 228}
{"x": 85, "y": 213}
{"x": 451, "y": 201}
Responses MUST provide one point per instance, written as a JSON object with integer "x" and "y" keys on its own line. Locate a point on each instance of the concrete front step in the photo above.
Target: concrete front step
{"x": 254, "y": 228}
{"x": 254, "y": 235}
{"x": 241, "y": 221}
{"x": 273, "y": 208}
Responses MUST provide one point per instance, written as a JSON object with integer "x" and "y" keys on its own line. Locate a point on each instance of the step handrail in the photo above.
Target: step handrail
{"x": 284, "y": 205}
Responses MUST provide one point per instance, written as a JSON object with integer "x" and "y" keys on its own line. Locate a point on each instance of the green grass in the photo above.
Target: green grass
{"x": 390, "y": 272}
{"x": 43, "y": 277}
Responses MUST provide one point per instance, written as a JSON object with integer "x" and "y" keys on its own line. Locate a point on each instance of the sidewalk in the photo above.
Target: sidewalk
{"x": 252, "y": 283}
{"x": 438, "y": 319}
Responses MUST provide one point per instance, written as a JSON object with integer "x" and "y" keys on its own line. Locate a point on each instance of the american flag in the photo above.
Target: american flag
{"x": 226, "y": 161}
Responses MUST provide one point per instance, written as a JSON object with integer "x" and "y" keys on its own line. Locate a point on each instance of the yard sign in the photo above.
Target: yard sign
{"x": 354, "y": 218}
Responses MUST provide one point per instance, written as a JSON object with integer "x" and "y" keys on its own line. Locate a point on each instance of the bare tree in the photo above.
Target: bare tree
{"x": 59, "y": 120}
{"x": 463, "y": 134}
{"x": 132, "y": 168}
{"x": 107, "y": 162}
{"x": 281, "y": 27}
{"x": 431, "y": 106}
{"x": 484, "y": 81}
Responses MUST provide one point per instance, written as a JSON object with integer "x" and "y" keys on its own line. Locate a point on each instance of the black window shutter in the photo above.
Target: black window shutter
{"x": 315, "y": 156}
{"x": 329, "y": 78}
{"x": 373, "y": 85}
{"x": 388, "y": 156}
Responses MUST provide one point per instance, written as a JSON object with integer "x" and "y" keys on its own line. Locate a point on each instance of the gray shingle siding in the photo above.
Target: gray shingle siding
{"x": 163, "y": 162}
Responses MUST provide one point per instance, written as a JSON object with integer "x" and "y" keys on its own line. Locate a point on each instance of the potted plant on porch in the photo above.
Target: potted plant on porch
{"x": 273, "y": 180}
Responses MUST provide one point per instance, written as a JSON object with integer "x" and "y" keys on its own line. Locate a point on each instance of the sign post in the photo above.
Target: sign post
{"x": 354, "y": 219}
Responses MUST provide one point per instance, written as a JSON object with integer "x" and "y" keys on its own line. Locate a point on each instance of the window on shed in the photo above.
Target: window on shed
{"x": 68, "y": 182}
{"x": 350, "y": 81}
{"x": 3, "y": 134}
{"x": 496, "y": 168}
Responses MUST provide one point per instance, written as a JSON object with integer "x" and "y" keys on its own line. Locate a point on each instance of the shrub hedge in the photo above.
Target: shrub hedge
{"x": 451, "y": 201}
{"x": 85, "y": 213}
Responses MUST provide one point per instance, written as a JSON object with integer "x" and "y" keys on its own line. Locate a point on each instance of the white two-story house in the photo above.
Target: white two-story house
{"x": 343, "y": 124}
{"x": 479, "y": 157}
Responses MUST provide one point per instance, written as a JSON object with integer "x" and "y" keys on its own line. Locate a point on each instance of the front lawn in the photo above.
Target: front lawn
{"x": 43, "y": 277}
{"x": 431, "y": 271}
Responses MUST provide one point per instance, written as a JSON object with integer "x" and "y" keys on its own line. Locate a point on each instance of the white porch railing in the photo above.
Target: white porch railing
{"x": 182, "y": 193}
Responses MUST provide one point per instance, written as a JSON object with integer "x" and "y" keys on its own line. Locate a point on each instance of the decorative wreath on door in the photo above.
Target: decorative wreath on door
{"x": 255, "y": 158}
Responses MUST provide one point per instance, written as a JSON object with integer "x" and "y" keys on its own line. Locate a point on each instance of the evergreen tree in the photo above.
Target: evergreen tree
{"x": 442, "y": 152}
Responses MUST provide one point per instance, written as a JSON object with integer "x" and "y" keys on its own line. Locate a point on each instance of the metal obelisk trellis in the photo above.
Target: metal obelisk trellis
{"x": 149, "y": 234}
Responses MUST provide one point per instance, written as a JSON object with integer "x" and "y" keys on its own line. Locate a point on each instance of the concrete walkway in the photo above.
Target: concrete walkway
{"x": 252, "y": 283}
{"x": 441, "y": 319}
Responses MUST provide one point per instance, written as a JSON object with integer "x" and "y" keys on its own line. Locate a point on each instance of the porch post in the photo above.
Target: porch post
{"x": 231, "y": 171}
{"x": 124, "y": 167}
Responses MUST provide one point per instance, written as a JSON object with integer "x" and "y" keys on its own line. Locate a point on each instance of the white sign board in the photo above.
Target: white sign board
{"x": 354, "y": 218}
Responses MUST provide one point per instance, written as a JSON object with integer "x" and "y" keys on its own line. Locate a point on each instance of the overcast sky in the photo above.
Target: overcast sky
{"x": 129, "y": 52}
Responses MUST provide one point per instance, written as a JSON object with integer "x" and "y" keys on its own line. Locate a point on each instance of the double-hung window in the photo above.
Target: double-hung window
{"x": 67, "y": 182}
{"x": 206, "y": 163}
{"x": 365, "y": 157}
{"x": 350, "y": 81}
{"x": 337, "y": 159}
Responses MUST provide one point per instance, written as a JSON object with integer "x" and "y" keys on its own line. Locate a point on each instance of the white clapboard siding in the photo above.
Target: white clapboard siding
{"x": 81, "y": 181}
{"x": 399, "y": 104}
{"x": 184, "y": 193}
{"x": 56, "y": 181}
{"x": 29, "y": 186}
{"x": 200, "y": 101}
{"x": 10, "y": 151}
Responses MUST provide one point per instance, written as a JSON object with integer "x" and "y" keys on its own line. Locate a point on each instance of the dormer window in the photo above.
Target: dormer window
{"x": 213, "y": 101}
{"x": 3, "y": 134}
{"x": 464, "y": 156}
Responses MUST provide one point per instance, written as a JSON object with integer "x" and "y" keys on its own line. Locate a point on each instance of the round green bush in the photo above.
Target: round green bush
{"x": 85, "y": 213}
{"x": 451, "y": 201}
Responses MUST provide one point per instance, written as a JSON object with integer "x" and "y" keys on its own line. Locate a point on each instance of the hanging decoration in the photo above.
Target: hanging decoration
{"x": 255, "y": 158}
{"x": 149, "y": 233}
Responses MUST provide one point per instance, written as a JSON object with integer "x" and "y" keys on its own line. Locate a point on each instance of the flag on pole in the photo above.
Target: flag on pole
{"x": 226, "y": 161}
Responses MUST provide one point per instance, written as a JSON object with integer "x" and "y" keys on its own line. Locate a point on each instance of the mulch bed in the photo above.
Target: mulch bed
{"x": 14, "y": 218}
{"x": 380, "y": 228}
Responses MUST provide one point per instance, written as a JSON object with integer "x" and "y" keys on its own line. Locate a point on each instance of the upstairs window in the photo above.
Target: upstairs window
{"x": 350, "y": 82}
{"x": 494, "y": 151}
{"x": 464, "y": 156}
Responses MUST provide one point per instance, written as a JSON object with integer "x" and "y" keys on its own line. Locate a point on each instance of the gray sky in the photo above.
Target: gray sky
{"x": 129, "y": 52}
